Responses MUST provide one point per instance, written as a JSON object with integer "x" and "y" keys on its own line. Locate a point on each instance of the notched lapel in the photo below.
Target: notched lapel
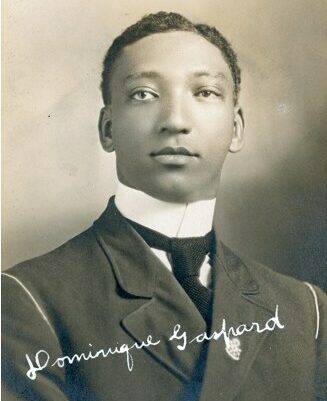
{"x": 140, "y": 273}
{"x": 235, "y": 301}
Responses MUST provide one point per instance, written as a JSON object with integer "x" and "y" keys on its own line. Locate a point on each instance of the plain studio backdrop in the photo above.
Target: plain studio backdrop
{"x": 57, "y": 178}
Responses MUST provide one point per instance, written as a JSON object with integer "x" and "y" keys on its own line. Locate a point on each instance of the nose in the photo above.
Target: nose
{"x": 174, "y": 118}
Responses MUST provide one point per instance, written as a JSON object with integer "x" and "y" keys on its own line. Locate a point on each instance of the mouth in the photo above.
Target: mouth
{"x": 177, "y": 156}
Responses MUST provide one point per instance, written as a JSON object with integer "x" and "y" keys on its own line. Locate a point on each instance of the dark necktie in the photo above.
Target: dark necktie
{"x": 187, "y": 256}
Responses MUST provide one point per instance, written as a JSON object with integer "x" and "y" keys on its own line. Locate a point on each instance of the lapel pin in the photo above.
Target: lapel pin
{"x": 233, "y": 349}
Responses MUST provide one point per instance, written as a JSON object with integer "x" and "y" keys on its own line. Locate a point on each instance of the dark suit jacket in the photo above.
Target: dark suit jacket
{"x": 105, "y": 288}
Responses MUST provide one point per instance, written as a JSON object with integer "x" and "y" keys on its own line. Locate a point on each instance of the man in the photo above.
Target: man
{"x": 148, "y": 303}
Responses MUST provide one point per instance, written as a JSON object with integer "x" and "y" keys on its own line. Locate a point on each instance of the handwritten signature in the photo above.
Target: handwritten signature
{"x": 42, "y": 357}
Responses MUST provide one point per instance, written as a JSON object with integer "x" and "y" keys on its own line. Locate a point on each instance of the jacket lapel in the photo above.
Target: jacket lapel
{"x": 169, "y": 307}
{"x": 141, "y": 274}
{"x": 238, "y": 302}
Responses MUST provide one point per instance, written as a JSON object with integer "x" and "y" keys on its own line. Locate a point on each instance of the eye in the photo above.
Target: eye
{"x": 208, "y": 93}
{"x": 143, "y": 95}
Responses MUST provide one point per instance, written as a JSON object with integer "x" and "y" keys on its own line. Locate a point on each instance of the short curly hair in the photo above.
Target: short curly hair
{"x": 167, "y": 22}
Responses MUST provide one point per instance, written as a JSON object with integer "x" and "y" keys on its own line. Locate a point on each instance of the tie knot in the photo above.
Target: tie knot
{"x": 187, "y": 254}
{"x": 190, "y": 244}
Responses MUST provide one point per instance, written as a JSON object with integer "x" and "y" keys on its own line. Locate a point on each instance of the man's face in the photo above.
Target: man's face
{"x": 172, "y": 119}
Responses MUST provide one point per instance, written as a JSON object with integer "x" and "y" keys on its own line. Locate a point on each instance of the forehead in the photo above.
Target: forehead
{"x": 171, "y": 55}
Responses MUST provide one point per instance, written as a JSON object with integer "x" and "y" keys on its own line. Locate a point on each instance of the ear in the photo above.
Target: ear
{"x": 105, "y": 131}
{"x": 238, "y": 133}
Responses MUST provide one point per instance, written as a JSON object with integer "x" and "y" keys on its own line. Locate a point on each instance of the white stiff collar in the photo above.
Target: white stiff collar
{"x": 171, "y": 219}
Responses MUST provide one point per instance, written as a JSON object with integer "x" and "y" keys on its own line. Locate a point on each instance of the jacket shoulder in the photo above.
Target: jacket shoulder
{"x": 75, "y": 248}
{"x": 269, "y": 280}
{"x": 69, "y": 267}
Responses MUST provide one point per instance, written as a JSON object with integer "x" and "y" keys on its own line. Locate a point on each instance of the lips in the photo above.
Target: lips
{"x": 178, "y": 156}
{"x": 168, "y": 150}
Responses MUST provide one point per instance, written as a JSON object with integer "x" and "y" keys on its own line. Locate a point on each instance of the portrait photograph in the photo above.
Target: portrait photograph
{"x": 164, "y": 192}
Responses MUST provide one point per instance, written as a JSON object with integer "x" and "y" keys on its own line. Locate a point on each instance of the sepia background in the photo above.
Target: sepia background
{"x": 57, "y": 179}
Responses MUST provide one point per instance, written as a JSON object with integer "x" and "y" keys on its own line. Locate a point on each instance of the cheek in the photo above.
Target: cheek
{"x": 131, "y": 126}
{"x": 214, "y": 116}
{"x": 215, "y": 144}
{"x": 132, "y": 143}
{"x": 219, "y": 133}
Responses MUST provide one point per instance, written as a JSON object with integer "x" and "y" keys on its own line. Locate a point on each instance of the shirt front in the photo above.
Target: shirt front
{"x": 171, "y": 219}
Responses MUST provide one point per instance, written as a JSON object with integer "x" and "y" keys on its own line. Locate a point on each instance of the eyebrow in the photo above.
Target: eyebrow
{"x": 154, "y": 74}
{"x": 218, "y": 75}
{"x": 143, "y": 74}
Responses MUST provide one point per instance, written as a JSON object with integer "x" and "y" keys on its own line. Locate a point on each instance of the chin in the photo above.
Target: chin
{"x": 180, "y": 195}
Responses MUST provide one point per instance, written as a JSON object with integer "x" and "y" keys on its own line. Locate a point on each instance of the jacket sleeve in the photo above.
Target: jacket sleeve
{"x": 321, "y": 336}
{"x": 25, "y": 331}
